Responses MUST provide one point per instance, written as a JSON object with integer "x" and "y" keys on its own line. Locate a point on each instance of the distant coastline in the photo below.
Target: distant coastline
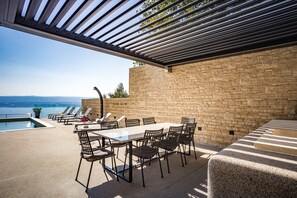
{"x": 39, "y": 101}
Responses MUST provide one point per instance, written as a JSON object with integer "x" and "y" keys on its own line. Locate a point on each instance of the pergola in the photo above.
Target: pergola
{"x": 161, "y": 33}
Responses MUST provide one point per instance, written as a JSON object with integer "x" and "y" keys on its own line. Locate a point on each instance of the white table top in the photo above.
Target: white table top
{"x": 133, "y": 133}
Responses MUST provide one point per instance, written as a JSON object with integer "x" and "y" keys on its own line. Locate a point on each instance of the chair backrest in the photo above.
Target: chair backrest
{"x": 65, "y": 110}
{"x": 78, "y": 111}
{"x": 88, "y": 111}
{"x": 86, "y": 148}
{"x": 132, "y": 122}
{"x": 103, "y": 119}
{"x": 174, "y": 132}
{"x": 151, "y": 136}
{"x": 185, "y": 120}
{"x": 150, "y": 120}
{"x": 190, "y": 129}
{"x": 106, "y": 116}
{"x": 71, "y": 110}
{"x": 110, "y": 125}
{"x": 121, "y": 118}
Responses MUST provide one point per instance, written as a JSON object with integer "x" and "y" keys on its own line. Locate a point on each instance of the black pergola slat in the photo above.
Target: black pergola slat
{"x": 62, "y": 12}
{"x": 127, "y": 20}
{"x": 139, "y": 22}
{"x": 106, "y": 14}
{"x": 186, "y": 31}
{"x": 235, "y": 49}
{"x": 21, "y": 6}
{"x": 50, "y": 6}
{"x": 176, "y": 26}
{"x": 246, "y": 38}
{"x": 76, "y": 14}
{"x": 218, "y": 37}
{"x": 32, "y": 9}
{"x": 139, "y": 29}
{"x": 200, "y": 27}
{"x": 116, "y": 18}
{"x": 91, "y": 14}
{"x": 221, "y": 25}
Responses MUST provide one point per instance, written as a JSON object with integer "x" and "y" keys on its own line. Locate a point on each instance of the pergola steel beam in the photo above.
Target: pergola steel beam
{"x": 183, "y": 31}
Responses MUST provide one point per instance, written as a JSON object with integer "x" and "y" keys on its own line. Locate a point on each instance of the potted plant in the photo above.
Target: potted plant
{"x": 37, "y": 112}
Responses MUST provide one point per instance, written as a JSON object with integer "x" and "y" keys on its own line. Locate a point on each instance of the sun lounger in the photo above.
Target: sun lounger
{"x": 64, "y": 117}
{"x": 50, "y": 116}
{"x": 77, "y": 119}
{"x": 68, "y": 113}
{"x": 96, "y": 122}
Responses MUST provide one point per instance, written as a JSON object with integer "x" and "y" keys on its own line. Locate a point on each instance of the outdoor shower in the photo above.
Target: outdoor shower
{"x": 101, "y": 101}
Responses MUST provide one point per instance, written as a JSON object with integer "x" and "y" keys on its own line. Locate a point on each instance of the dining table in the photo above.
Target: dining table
{"x": 127, "y": 135}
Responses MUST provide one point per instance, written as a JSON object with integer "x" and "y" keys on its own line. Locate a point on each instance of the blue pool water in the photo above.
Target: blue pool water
{"x": 22, "y": 111}
{"x": 21, "y": 123}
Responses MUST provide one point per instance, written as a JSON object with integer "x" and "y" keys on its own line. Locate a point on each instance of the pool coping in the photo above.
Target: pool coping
{"x": 45, "y": 124}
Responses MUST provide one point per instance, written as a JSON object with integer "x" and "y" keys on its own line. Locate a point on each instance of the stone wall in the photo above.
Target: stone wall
{"x": 237, "y": 93}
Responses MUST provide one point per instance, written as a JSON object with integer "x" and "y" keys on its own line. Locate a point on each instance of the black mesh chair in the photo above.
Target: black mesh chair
{"x": 185, "y": 120}
{"x": 150, "y": 120}
{"x": 171, "y": 143}
{"x": 186, "y": 138}
{"x": 148, "y": 149}
{"x": 92, "y": 154}
{"x": 132, "y": 122}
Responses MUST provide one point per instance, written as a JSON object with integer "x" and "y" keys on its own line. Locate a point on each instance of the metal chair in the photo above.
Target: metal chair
{"x": 150, "y": 120}
{"x": 148, "y": 149}
{"x": 186, "y": 138}
{"x": 91, "y": 154}
{"x": 185, "y": 120}
{"x": 132, "y": 122}
{"x": 171, "y": 143}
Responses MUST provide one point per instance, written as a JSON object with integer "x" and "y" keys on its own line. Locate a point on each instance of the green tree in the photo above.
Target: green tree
{"x": 119, "y": 92}
{"x": 162, "y": 6}
{"x": 136, "y": 63}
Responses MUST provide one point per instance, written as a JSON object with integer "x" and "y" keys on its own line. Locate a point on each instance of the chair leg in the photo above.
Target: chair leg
{"x": 184, "y": 154}
{"x": 89, "y": 176}
{"x": 181, "y": 156}
{"x": 112, "y": 167}
{"x": 126, "y": 153}
{"x": 142, "y": 162}
{"x": 78, "y": 168}
{"x": 116, "y": 169}
{"x": 166, "y": 155}
{"x": 160, "y": 165}
{"x": 118, "y": 153}
{"x": 194, "y": 149}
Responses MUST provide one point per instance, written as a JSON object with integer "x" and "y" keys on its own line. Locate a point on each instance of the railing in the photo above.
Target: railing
{"x": 5, "y": 116}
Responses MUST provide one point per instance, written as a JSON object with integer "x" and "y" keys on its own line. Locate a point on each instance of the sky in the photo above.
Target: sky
{"x": 33, "y": 65}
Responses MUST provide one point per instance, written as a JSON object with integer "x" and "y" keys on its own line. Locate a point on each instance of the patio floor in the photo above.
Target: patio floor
{"x": 43, "y": 163}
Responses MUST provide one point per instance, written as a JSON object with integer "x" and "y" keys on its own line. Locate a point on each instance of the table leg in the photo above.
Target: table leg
{"x": 103, "y": 145}
{"x": 130, "y": 162}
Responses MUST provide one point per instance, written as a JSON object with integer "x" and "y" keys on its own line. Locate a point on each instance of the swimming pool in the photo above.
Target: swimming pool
{"x": 20, "y": 124}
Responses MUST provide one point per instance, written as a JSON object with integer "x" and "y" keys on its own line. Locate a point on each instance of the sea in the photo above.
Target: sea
{"x": 22, "y": 106}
